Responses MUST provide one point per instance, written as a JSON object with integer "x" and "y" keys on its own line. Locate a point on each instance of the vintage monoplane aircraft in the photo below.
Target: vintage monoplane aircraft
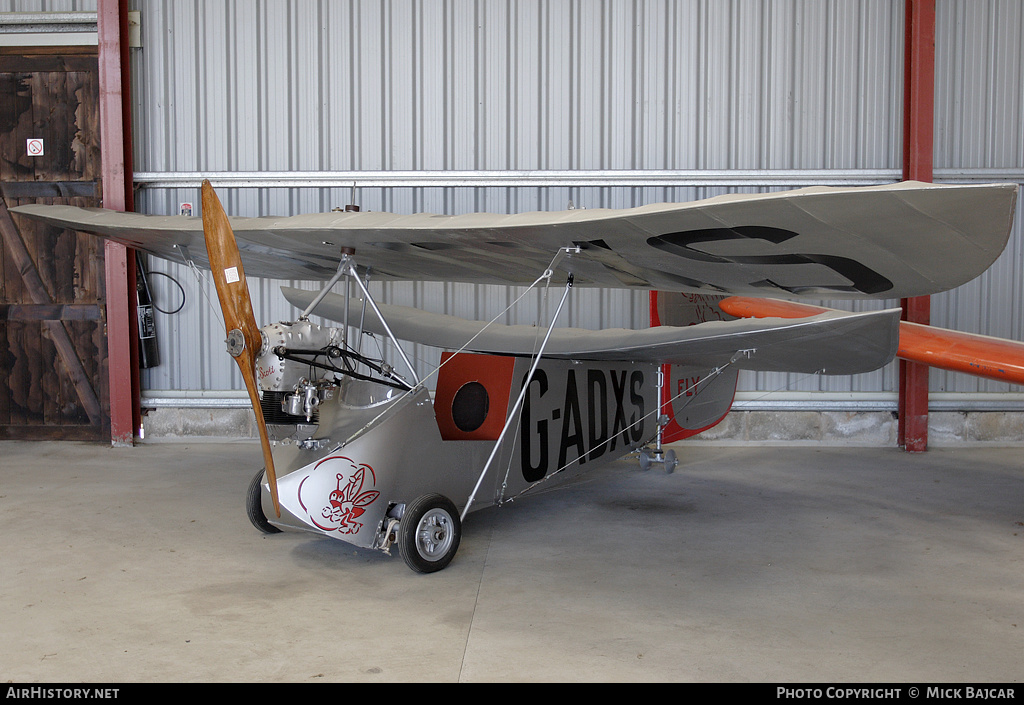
{"x": 357, "y": 449}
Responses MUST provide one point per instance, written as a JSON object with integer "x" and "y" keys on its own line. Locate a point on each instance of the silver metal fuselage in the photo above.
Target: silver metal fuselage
{"x": 378, "y": 448}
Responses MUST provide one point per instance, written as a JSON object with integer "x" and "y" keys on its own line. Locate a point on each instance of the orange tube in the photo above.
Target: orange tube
{"x": 979, "y": 355}
{"x": 747, "y": 307}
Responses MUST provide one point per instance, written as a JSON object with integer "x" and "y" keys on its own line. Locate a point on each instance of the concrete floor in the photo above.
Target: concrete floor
{"x": 795, "y": 564}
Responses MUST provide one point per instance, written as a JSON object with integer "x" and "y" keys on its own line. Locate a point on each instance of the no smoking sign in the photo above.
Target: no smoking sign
{"x": 34, "y": 146}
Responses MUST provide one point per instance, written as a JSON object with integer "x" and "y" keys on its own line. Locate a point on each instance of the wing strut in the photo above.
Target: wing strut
{"x": 347, "y": 267}
{"x": 369, "y": 299}
{"x": 513, "y": 415}
{"x": 343, "y": 266}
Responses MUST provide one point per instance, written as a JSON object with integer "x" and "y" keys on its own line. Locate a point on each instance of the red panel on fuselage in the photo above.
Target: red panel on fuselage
{"x": 467, "y": 372}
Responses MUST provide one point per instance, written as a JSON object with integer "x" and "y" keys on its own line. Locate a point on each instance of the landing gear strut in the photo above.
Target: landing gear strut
{"x": 649, "y": 456}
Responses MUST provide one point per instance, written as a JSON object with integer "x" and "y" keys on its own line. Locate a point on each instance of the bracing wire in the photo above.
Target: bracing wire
{"x": 545, "y": 276}
{"x": 201, "y": 280}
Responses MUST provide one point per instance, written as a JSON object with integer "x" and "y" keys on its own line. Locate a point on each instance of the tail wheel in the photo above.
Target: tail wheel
{"x": 254, "y": 505}
{"x": 429, "y": 533}
{"x": 671, "y": 461}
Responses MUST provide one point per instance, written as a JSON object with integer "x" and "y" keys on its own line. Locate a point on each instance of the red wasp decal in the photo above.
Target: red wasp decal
{"x": 348, "y": 501}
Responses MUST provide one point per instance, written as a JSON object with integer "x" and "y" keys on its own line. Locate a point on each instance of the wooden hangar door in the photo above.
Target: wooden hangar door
{"x": 53, "y": 345}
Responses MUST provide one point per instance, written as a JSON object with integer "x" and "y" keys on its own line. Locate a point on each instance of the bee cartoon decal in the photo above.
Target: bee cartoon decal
{"x": 347, "y": 502}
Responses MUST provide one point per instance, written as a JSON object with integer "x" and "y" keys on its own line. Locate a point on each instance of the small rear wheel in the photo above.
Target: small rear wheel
{"x": 645, "y": 459}
{"x": 671, "y": 461}
{"x": 254, "y": 505}
{"x": 429, "y": 533}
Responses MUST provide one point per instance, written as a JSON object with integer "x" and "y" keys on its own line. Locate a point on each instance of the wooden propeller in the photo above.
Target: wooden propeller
{"x": 244, "y": 339}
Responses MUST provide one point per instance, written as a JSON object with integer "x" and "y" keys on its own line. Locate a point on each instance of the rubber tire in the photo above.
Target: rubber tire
{"x": 427, "y": 508}
{"x": 254, "y": 505}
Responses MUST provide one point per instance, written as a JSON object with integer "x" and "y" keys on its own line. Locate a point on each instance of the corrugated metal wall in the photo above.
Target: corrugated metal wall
{"x": 462, "y": 105}
{"x": 47, "y": 5}
{"x": 979, "y": 135}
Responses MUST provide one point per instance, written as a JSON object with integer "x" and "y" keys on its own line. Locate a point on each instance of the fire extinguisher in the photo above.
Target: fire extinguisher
{"x": 149, "y": 353}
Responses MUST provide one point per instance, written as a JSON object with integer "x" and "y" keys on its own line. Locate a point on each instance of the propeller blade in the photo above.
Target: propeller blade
{"x": 244, "y": 338}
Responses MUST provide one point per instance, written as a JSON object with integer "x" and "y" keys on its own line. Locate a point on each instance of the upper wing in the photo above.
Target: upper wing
{"x": 899, "y": 240}
{"x": 833, "y": 342}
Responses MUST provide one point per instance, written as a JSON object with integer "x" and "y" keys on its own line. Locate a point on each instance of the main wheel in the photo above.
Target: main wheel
{"x": 254, "y": 506}
{"x": 429, "y": 533}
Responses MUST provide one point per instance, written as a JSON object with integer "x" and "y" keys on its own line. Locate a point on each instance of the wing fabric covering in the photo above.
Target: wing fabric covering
{"x": 892, "y": 241}
{"x": 833, "y": 342}
{"x": 978, "y": 355}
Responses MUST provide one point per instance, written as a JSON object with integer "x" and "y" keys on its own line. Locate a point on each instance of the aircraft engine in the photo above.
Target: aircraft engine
{"x": 280, "y": 374}
{"x": 292, "y": 388}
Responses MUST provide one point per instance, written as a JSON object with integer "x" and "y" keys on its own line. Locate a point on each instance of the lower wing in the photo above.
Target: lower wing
{"x": 833, "y": 342}
{"x": 978, "y": 355}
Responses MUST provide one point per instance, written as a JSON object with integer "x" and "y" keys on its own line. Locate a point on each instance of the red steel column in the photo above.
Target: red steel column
{"x": 918, "y": 130}
{"x": 115, "y": 157}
